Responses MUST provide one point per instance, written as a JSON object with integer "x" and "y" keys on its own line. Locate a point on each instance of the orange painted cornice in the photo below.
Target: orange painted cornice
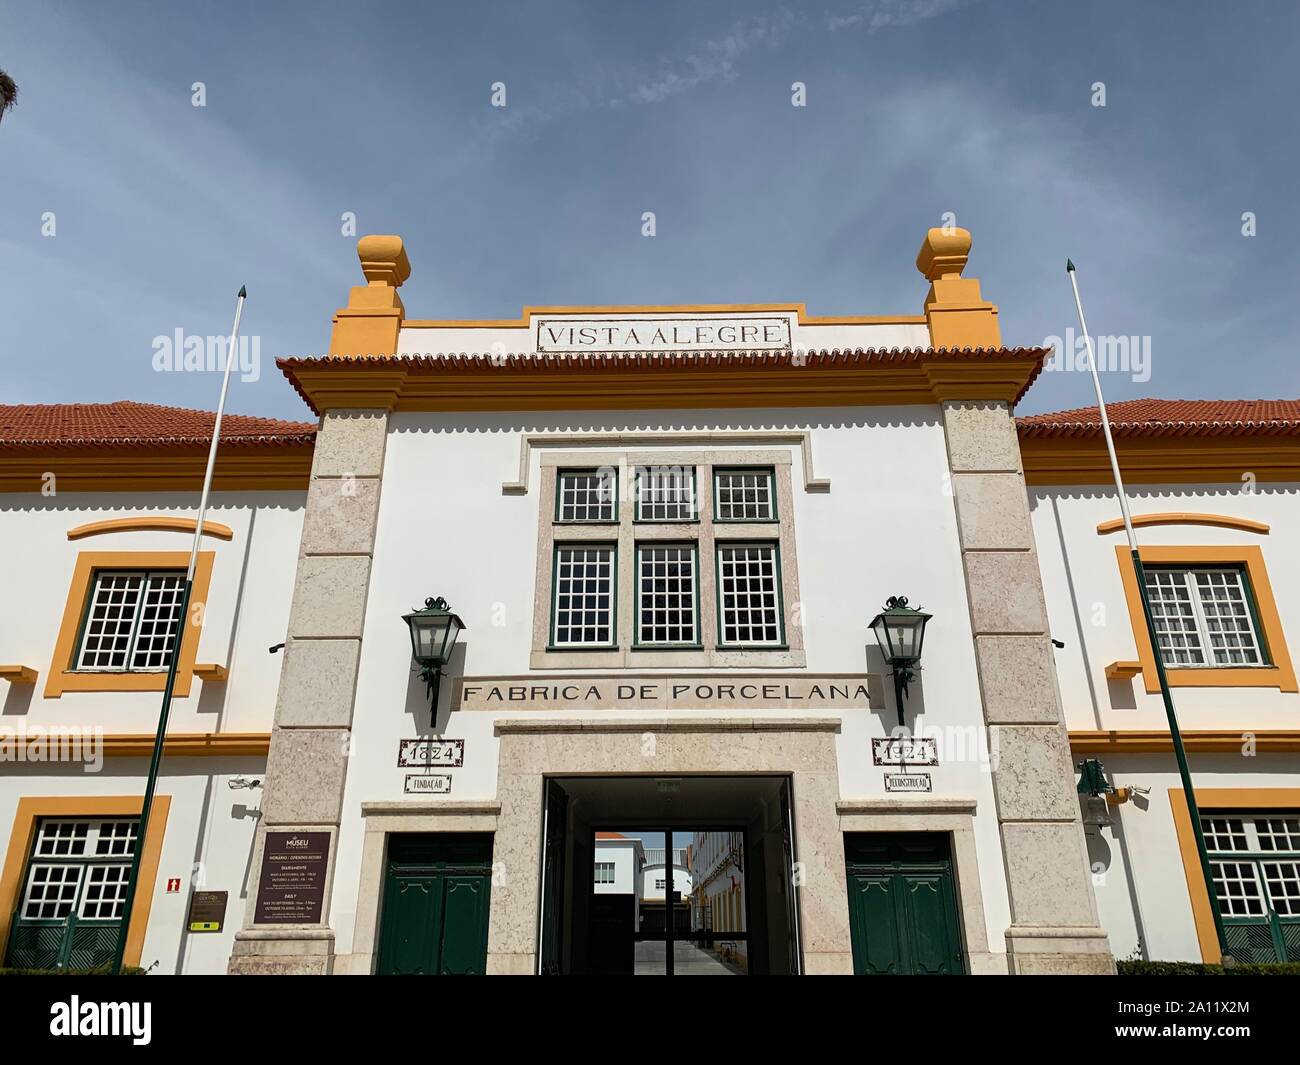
{"x": 154, "y": 469}
{"x": 665, "y": 380}
{"x": 1146, "y": 741}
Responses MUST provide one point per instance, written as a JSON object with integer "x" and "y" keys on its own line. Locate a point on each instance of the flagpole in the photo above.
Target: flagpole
{"x": 181, "y": 621}
{"x": 1175, "y": 733}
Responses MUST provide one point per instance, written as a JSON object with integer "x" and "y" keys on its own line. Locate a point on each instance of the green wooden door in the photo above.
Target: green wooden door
{"x": 435, "y": 907}
{"x": 903, "y": 904}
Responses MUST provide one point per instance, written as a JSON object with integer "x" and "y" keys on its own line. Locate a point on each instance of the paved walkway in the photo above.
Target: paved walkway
{"x": 688, "y": 960}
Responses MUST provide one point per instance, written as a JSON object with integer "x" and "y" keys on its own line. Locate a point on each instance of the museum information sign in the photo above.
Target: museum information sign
{"x": 292, "y": 888}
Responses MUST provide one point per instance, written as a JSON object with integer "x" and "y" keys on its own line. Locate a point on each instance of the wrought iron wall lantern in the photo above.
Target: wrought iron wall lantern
{"x": 434, "y": 629}
{"x": 900, "y": 631}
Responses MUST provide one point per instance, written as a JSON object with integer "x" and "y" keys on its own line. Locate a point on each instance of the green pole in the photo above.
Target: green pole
{"x": 1180, "y": 752}
{"x": 152, "y": 782}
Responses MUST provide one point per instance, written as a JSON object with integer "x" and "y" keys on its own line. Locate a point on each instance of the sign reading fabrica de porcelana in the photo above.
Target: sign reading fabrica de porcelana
{"x": 763, "y": 691}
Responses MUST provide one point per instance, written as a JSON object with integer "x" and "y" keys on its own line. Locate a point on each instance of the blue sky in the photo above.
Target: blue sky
{"x": 915, "y": 108}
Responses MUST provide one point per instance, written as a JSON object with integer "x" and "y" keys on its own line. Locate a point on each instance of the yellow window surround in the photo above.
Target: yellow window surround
{"x": 1224, "y": 521}
{"x": 1280, "y": 675}
{"x": 31, "y": 810}
{"x": 63, "y": 678}
{"x": 155, "y": 523}
{"x": 1211, "y": 800}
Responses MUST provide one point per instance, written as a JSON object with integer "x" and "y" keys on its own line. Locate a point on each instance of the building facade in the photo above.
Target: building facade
{"x": 665, "y": 531}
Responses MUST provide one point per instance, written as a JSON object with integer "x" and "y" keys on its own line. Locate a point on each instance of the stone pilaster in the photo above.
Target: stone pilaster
{"x": 308, "y": 761}
{"x": 1054, "y": 925}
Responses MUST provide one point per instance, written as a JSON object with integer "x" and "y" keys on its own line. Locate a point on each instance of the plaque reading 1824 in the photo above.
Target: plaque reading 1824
{"x": 292, "y": 889}
{"x": 415, "y": 753}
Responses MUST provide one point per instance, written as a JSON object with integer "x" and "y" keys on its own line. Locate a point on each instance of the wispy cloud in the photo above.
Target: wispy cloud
{"x": 714, "y": 60}
{"x": 882, "y": 14}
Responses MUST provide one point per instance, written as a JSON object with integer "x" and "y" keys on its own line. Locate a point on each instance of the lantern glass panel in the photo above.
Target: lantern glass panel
{"x": 428, "y": 635}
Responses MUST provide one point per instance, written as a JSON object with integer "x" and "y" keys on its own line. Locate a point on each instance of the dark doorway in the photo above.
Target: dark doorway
{"x": 434, "y": 919}
{"x": 903, "y": 904}
{"x": 688, "y": 875}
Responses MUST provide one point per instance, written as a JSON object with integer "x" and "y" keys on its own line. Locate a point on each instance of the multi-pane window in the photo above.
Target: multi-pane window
{"x": 131, "y": 620}
{"x": 749, "y": 597}
{"x": 604, "y": 872}
{"x": 744, "y": 495}
{"x": 81, "y": 867}
{"x": 584, "y": 596}
{"x": 665, "y": 493}
{"x": 1203, "y": 617}
{"x": 1255, "y": 861}
{"x": 667, "y": 585}
{"x": 587, "y": 495}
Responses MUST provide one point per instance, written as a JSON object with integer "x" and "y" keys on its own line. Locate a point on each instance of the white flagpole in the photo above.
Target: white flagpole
{"x": 1175, "y": 733}
{"x": 182, "y": 621}
{"x": 216, "y": 434}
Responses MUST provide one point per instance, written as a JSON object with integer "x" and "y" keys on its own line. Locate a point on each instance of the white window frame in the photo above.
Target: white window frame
{"x": 627, "y": 651}
{"x": 611, "y": 550}
{"x": 609, "y": 868}
{"x": 777, "y": 593}
{"x": 1204, "y": 634}
{"x": 146, "y": 578}
{"x": 744, "y": 471}
{"x": 610, "y": 476}
{"x": 1242, "y": 826}
{"x": 99, "y": 848}
{"x": 649, "y": 481}
{"x": 692, "y": 548}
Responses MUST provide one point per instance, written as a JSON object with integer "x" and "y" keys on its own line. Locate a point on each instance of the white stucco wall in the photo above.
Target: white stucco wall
{"x": 887, "y": 526}
{"x": 622, "y": 852}
{"x": 1138, "y": 872}
{"x": 207, "y": 845}
{"x": 1088, "y": 611}
{"x": 210, "y": 826}
{"x": 247, "y": 607}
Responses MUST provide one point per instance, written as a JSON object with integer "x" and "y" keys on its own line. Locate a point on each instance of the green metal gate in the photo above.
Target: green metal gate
{"x": 902, "y": 904}
{"x": 435, "y": 908}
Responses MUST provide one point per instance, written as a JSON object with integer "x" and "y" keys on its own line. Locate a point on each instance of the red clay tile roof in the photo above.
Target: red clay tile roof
{"x": 1171, "y": 417}
{"x": 128, "y": 423}
{"x": 610, "y": 835}
{"x": 643, "y": 361}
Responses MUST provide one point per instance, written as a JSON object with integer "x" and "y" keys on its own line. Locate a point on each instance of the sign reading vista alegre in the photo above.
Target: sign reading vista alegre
{"x": 661, "y": 334}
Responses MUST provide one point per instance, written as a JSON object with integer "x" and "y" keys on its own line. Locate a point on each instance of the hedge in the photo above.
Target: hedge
{"x": 1192, "y": 968}
{"x": 103, "y": 971}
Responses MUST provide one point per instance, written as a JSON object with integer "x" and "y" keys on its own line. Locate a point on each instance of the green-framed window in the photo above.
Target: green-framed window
{"x": 750, "y": 608}
{"x": 1205, "y": 617}
{"x": 666, "y": 494}
{"x": 1255, "y": 861}
{"x": 744, "y": 493}
{"x": 587, "y": 496}
{"x": 584, "y": 602}
{"x": 131, "y": 621}
{"x": 73, "y": 893}
{"x": 667, "y": 595}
